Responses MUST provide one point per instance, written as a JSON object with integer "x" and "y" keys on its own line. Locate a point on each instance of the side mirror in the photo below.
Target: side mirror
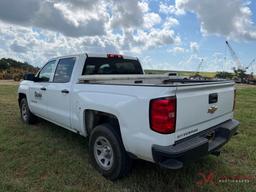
{"x": 29, "y": 77}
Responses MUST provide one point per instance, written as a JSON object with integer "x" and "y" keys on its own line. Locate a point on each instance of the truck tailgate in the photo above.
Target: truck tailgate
{"x": 200, "y": 107}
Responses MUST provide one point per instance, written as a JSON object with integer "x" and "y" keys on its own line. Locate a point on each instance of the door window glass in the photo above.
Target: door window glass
{"x": 64, "y": 70}
{"x": 46, "y": 72}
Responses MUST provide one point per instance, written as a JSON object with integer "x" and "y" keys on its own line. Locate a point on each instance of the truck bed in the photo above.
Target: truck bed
{"x": 195, "y": 98}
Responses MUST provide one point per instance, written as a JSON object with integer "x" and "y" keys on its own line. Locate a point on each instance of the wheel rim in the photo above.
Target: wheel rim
{"x": 103, "y": 153}
{"x": 24, "y": 112}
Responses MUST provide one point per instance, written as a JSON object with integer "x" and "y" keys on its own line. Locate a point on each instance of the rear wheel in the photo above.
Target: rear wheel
{"x": 107, "y": 152}
{"x": 26, "y": 115}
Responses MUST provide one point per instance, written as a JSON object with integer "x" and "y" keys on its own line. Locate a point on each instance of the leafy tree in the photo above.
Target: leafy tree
{"x": 11, "y": 69}
{"x": 224, "y": 75}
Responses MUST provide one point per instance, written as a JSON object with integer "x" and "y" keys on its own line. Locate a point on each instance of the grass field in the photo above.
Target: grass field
{"x": 182, "y": 73}
{"x": 44, "y": 157}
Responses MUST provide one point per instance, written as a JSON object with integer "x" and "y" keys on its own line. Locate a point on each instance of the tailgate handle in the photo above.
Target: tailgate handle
{"x": 213, "y": 98}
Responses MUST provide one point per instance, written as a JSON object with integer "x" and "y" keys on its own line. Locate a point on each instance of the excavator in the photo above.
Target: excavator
{"x": 251, "y": 79}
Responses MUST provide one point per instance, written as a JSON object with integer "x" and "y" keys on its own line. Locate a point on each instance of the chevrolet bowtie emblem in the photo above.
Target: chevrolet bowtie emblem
{"x": 212, "y": 109}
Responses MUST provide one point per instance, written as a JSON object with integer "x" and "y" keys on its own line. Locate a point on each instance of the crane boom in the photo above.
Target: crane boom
{"x": 250, "y": 64}
{"x": 200, "y": 65}
{"x": 234, "y": 56}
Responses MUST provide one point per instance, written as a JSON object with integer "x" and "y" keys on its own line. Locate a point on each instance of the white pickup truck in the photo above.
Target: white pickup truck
{"x": 127, "y": 114}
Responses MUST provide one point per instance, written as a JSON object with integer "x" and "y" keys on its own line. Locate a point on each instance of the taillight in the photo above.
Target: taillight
{"x": 116, "y": 56}
{"x": 234, "y": 102}
{"x": 163, "y": 115}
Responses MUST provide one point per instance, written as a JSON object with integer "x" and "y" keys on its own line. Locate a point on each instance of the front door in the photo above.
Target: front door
{"x": 38, "y": 95}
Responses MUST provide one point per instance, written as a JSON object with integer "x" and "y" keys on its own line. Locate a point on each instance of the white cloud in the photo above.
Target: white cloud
{"x": 79, "y": 18}
{"x": 194, "y": 47}
{"x": 37, "y": 46}
{"x": 177, "y": 50}
{"x": 229, "y": 18}
{"x": 157, "y": 37}
{"x": 143, "y": 6}
{"x": 170, "y": 9}
{"x": 59, "y": 27}
{"x": 147, "y": 62}
{"x": 18, "y": 48}
{"x": 126, "y": 13}
{"x": 139, "y": 40}
{"x": 170, "y": 22}
{"x": 190, "y": 63}
{"x": 84, "y": 4}
{"x": 215, "y": 62}
{"x": 193, "y": 60}
{"x": 151, "y": 19}
{"x": 47, "y": 15}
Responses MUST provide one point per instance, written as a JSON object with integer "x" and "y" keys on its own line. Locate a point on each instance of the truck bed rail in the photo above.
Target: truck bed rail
{"x": 156, "y": 80}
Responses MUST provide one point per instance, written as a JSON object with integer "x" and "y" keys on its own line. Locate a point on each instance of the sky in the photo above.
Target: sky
{"x": 167, "y": 34}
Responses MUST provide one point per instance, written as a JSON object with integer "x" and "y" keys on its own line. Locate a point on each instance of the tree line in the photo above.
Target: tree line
{"x": 13, "y": 69}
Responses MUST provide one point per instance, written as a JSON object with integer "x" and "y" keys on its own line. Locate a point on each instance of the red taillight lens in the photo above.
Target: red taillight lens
{"x": 234, "y": 102}
{"x": 163, "y": 115}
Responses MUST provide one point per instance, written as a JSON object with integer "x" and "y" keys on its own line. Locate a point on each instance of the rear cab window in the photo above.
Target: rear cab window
{"x": 111, "y": 66}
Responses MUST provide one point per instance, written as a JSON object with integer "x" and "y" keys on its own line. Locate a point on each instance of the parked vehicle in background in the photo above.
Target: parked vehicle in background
{"x": 127, "y": 114}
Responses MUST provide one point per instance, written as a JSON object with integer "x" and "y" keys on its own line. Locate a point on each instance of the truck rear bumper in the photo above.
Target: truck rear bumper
{"x": 194, "y": 147}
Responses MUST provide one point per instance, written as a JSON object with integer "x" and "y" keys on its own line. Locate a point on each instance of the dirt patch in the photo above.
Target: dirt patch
{"x": 242, "y": 86}
{"x": 9, "y": 82}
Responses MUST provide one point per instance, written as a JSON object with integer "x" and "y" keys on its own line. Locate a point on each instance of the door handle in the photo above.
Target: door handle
{"x": 43, "y": 88}
{"x": 65, "y": 91}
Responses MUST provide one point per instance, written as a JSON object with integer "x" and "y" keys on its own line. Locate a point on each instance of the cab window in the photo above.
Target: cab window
{"x": 46, "y": 72}
{"x": 111, "y": 66}
{"x": 64, "y": 70}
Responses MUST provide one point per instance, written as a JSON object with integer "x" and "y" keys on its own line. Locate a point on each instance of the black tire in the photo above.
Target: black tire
{"x": 121, "y": 162}
{"x": 26, "y": 115}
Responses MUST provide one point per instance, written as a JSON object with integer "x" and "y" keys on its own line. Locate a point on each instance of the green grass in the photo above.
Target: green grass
{"x": 182, "y": 73}
{"x": 45, "y": 157}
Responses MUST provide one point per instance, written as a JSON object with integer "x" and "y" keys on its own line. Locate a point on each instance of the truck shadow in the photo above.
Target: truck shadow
{"x": 144, "y": 176}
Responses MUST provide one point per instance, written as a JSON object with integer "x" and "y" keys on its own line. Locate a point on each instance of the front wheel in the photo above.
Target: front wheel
{"x": 26, "y": 115}
{"x": 107, "y": 152}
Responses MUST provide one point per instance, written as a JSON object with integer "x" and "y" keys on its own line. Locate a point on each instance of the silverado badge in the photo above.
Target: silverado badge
{"x": 212, "y": 109}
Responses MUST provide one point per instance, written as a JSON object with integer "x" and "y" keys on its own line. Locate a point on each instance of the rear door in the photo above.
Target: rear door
{"x": 200, "y": 107}
{"x": 59, "y": 92}
{"x": 38, "y": 95}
